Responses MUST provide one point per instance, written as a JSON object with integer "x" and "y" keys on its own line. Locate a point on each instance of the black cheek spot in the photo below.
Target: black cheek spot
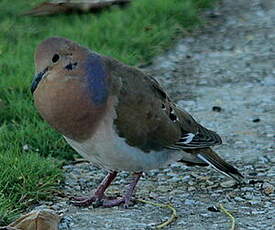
{"x": 55, "y": 58}
{"x": 71, "y": 66}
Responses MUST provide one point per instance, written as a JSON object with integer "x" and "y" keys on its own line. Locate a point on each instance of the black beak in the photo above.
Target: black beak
{"x": 37, "y": 78}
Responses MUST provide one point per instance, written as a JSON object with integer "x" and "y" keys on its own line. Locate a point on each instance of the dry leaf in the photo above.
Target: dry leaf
{"x": 56, "y": 7}
{"x": 38, "y": 220}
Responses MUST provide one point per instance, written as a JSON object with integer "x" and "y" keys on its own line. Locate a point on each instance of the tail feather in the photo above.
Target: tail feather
{"x": 212, "y": 158}
{"x": 208, "y": 156}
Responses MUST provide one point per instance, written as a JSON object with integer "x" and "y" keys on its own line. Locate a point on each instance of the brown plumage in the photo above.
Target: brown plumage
{"x": 115, "y": 115}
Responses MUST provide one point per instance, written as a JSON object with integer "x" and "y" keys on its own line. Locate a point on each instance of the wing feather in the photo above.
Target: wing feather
{"x": 148, "y": 119}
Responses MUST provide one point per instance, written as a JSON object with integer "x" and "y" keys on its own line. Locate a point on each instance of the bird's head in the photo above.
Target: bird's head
{"x": 59, "y": 59}
{"x": 71, "y": 85}
{"x": 57, "y": 56}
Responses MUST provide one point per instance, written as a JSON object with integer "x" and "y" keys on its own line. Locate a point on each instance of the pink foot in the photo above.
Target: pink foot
{"x": 126, "y": 199}
{"x": 99, "y": 193}
{"x": 84, "y": 201}
{"x": 99, "y": 198}
{"x": 116, "y": 202}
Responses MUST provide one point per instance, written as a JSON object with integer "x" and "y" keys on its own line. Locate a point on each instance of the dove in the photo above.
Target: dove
{"x": 117, "y": 117}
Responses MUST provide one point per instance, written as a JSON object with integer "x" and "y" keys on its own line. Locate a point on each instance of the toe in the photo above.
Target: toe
{"x": 112, "y": 203}
{"x": 84, "y": 202}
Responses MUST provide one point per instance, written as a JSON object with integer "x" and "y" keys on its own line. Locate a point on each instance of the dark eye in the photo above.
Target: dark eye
{"x": 55, "y": 58}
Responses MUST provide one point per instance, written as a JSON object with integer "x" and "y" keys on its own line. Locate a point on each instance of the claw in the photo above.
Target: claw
{"x": 84, "y": 201}
{"x": 79, "y": 198}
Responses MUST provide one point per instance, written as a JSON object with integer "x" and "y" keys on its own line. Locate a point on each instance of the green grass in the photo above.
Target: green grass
{"x": 25, "y": 178}
{"x": 133, "y": 35}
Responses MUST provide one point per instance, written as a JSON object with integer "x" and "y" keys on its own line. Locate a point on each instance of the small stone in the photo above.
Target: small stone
{"x": 213, "y": 14}
{"x": 239, "y": 199}
{"x": 209, "y": 182}
{"x": 190, "y": 189}
{"x": 194, "y": 175}
{"x": 175, "y": 179}
{"x": 255, "y": 212}
{"x": 26, "y": 147}
{"x": 77, "y": 187}
{"x": 231, "y": 194}
{"x": 210, "y": 187}
{"x": 268, "y": 189}
{"x": 65, "y": 223}
{"x": 189, "y": 202}
{"x": 256, "y": 120}
{"x": 254, "y": 202}
{"x": 255, "y": 182}
{"x": 204, "y": 214}
{"x": 268, "y": 204}
{"x": 216, "y": 109}
{"x": 247, "y": 189}
{"x": 228, "y": 184}
{"x": 252, "y": 174}
{"x": 163, "y": 189}
{"x": 213, "y": 209}
{"x": 269, "y": 81}
{"x": 186, "y": 178}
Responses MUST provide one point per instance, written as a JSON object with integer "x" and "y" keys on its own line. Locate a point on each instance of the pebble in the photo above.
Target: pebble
{"x": 25, "y": 147}
{"x": 205, "y": 214}
{"x": 213, "y": 209}
{"x": 256, "y": 212}
{"x": 228, "y": 184}
{"x": 247, "y": 189}
{"x": 256, "y": 120}
{"x": 217, "y": 109}
{"x": 269, "y": 81}
{"x": 267, "y": 204}
{"x": 268, "y": 189}
{"x": 65, "y": 223}
{"x": 209, "y": 182}
{"x": 189, "y": 202}
{"x": 254, "y": 202}
{"x": 190, "y": 189}
{"x": 239, "y": 199}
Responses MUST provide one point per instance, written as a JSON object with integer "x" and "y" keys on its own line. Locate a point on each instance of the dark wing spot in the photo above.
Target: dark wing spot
{"x": 173, "y": 117}
{"x": 71, "y": 66}
{"x": 189, "y": 122}
{"x": 160, "y": 91}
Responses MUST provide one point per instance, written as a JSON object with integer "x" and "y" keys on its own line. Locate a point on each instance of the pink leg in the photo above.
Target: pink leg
{"x": 99, "y": 193}
{"x": 128, "y": 195}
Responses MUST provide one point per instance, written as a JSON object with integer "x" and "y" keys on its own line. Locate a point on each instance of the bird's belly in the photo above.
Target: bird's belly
{"x": 107, "y": 150}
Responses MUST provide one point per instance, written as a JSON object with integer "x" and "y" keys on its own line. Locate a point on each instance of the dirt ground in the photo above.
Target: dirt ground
{"x": 224, "y": 75}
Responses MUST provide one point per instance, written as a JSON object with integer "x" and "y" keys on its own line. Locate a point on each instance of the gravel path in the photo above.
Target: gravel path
{"x": 224, "y": 75}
